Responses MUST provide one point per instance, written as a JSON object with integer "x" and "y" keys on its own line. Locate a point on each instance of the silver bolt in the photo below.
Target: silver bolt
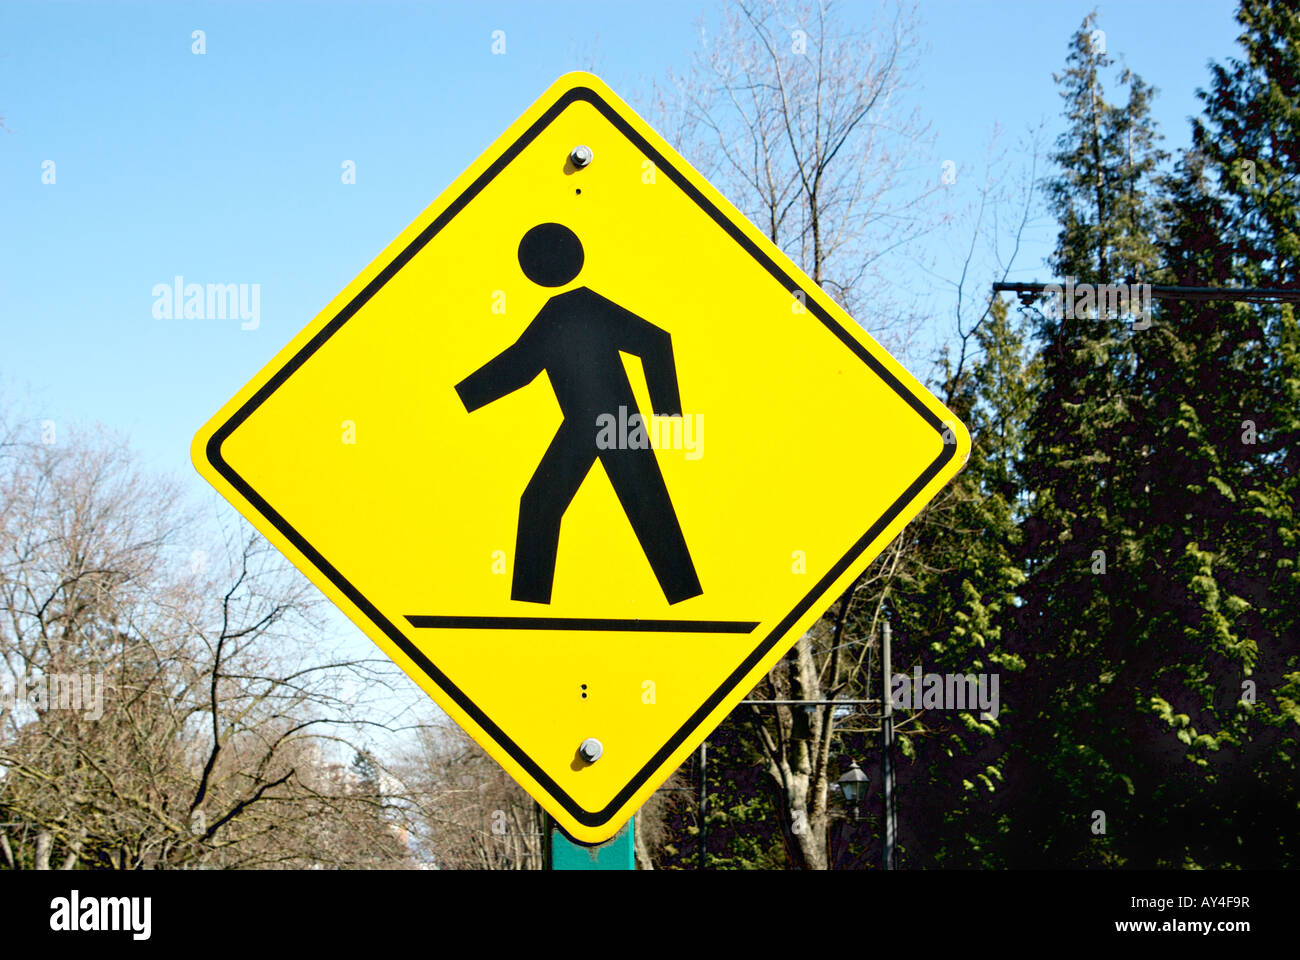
{"x": 581, "y": 155}
{"x": 591, "y": 750}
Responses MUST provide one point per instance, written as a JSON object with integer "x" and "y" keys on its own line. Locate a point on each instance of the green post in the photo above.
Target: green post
{"x": 614, "y": 854}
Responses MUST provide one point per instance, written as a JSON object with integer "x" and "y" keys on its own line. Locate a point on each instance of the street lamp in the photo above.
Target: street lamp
{"x": 853, "y": 785}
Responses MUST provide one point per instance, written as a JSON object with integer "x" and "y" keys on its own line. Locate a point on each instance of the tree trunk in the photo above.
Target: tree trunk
{"x": 43, "y": 845}
{"x": 795, "y": 759}
{"x": 639, "y": 848}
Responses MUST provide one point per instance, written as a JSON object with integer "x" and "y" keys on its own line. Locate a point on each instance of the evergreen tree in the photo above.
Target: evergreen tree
{"x": 951, "y": 612}
{"x": 1072, "y": 756}
{"x": 742, "y": 812}
{"x": 1217, "y": 490}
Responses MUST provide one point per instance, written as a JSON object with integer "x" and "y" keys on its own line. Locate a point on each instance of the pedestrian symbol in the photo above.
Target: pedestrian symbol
{"x": 576, "y": 339}
{"x": 583, "y": 452}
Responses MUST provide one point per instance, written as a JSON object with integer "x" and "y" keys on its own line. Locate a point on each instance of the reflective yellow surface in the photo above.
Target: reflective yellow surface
{"x": 365, "y": 468}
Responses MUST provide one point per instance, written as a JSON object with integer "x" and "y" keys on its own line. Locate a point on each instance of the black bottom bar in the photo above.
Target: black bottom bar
{"x": 582, "y": 623}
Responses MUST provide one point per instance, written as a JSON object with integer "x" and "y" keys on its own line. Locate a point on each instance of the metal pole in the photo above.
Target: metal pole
{"x": 887, "y": 749}
{"x": 701, "y": 852}
{"x": 616, "y": 853}
{"x": 1028, "y": 292}
{"x": 548, "y": 831}
{"x": 807, "y": 703}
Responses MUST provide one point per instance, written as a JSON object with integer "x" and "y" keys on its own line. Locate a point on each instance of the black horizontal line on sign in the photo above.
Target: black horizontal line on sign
{"x": 583, "y": 623}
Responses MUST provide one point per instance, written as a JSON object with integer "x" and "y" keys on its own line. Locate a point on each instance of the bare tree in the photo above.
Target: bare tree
{"x": 802, "y": 120}
{"x": 985, "y": 241}
{"x": 162, "y": 708}
{"x": 465, "y": 811}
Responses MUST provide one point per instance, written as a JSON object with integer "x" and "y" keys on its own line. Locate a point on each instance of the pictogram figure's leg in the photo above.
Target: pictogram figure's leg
{"x": 557, "y": 478}
{"x": 640, "y": 488}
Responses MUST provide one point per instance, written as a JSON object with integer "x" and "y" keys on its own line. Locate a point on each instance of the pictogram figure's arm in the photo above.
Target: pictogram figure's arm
{"x": 516, "y": 366}
{"x": 655, "y": 348}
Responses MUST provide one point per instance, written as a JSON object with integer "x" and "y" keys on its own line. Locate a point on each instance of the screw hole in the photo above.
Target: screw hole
{"x": 578, "y": 191}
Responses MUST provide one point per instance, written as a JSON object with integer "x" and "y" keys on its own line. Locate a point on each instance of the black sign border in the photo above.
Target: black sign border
{"x": 664, "y": 166}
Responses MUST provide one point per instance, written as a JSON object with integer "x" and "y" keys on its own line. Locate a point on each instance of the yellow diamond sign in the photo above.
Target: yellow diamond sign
{"x": 583, "y": 452}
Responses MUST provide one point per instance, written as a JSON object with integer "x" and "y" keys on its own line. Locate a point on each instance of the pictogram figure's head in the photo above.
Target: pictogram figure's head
{"x": 550, "y": 254}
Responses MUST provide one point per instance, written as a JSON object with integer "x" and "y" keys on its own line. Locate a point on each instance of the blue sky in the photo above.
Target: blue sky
{"x": 225, "y": 167}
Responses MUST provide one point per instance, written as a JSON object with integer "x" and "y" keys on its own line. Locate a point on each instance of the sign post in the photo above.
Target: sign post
{"x": 571, "y": 451}
{"x": 617, "y": 853}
